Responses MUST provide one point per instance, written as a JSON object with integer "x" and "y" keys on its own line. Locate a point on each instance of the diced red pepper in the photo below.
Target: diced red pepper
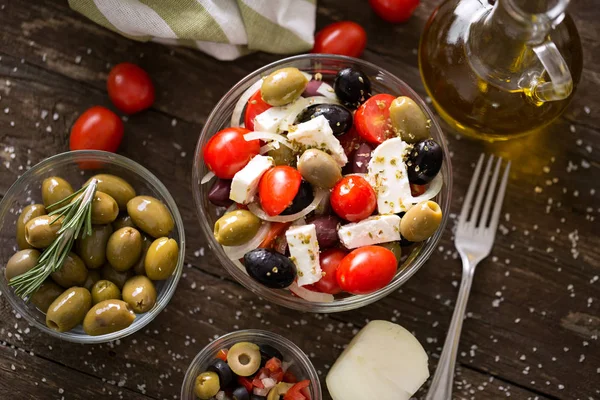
{"x": 289, "y": 377}
{"x": 273, "y": 364}
{"x": 222, "y": 354}
{"x": 245, "y": 382}
{"x": 277, "y": 376}
{"x": 295, "y": 392}
{"x": 257, "y": 382}
{"x": 417, "y": 190}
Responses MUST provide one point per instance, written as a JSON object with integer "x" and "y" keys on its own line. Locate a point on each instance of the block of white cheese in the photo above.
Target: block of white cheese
{"x": 373, "y": 230}
{"x": 304, "y": 252}
{"x": 316, "y": 133}
{"x": 384, "y": 361}
{"x": 245, "y": 182}
{"x": 269, "y": 120}
{"x": 387, "y": 174}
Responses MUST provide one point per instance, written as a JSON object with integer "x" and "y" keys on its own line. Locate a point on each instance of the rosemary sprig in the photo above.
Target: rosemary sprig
{"x": 76, "y": 216}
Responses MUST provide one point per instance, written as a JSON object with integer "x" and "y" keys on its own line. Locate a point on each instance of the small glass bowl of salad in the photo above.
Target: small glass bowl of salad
{"x": 251, "y": 364}
{"x": 323, "y": 182}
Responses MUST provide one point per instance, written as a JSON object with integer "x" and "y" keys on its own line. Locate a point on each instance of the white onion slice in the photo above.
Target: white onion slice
{"x": 315, "y": 297}
{"x": 432, "y": 190}
{"x": 327, "y": 91}
{"x": 206, "y": 178}
{"x": 237, "y": 252}
{"x": 299, "y": 105}
{"x": 241, "y": 103}
{"x": 307, "y": 75}
{"x": 256, "y": 210}
{"x": 268, "y": 383}
{"x": 267, "y": 136}
{"x": 266, "y": 148}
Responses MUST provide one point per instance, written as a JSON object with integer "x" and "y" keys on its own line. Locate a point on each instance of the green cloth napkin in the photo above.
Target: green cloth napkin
{"x": 225, "y": 29}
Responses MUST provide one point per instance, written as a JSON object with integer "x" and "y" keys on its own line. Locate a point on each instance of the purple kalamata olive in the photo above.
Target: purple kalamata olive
{"x": 361, "y": 158}
{"x": 327, "y": 230}
{"x": 219, "y": 193}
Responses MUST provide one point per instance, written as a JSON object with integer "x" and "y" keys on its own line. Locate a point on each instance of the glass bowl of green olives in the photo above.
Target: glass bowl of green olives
{"x": 328, "y": 133}
{"x": 91, "y": 246}
{"x": 250, "y": 364}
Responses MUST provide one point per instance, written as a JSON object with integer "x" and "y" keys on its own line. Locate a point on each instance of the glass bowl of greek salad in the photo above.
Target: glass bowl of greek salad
{"x": 323, "y": 182}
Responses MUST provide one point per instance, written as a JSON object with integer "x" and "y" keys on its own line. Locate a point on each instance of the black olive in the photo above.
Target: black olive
{"x": 352, "y": 87}
{"x": 270, "y": 268}
{"x": 267, "y": 352}
{"x": 404, "y": 242}
{"x": 257, "y": 397}
{"x": 303, "y": 198}
{"x": 424, "y": 162}
{"x": 240, "y": 393}
{"x": 339, "y": 117}
{"x": 222, "y": 369}
{"x": 219, "y": 193}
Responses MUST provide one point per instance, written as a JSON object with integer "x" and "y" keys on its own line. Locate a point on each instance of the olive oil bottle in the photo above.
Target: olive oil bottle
{"x": 500, "y": 70}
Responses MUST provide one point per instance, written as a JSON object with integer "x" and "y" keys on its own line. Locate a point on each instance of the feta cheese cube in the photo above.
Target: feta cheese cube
{"x": 304, "y": 252}
{"x": 373, "y": 230}
{"x": 269, "y": 121}
{"x": 387, "y": 174}
{"x": 245, "y": 182}
{"x": 316, "y": 133}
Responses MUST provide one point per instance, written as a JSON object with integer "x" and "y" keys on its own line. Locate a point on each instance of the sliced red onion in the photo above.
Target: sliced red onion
{"x": 256, "y": 210}
{"x": 319, "y": 88}
{"x": 237, "y": 252}
{"x": 207, "y": 178}
{"x": 236, "y": 116}
{"x": 267, "y": 136}
{"x": 309, "y": 295}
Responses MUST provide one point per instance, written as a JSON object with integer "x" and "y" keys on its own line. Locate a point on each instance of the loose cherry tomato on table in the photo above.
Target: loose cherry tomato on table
{"x": 130, "y": 88}
{"x": 97, "y": 128}
{"x": 227, "y": 152}
{"x": 366, "y": 270}
{"x": 346, "y": 38}
{"x": 277, "y": 188}
{"x": 394, "y": 11}
{"x": 353, "y": 198}
{"x": 330, "y": 260}
{"x": 256, "y": 106}
{"x": 372, "y": 119}
{"x": 298, "y": 391}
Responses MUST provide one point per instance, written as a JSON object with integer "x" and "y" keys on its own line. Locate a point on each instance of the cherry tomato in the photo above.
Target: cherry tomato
{"x": 277, "y": 188}
{"x": 295, "y": 392}
{"x": 353, "y": 198}
{"x": 330, "y": 260}
{"x": 222, "y": 354}
{"x": 256, "y": 105}
{"x": 227, "y": 152}
{"x": 394, "y": 10}
{"x": 372, "y": 119}
{"x": 366, "y": 270}
{"x": 245, "y": 382}
{"x": 130, "y": 88}
{"x": 97, "y": 128}
{"x": 277, "y": 228}
{"x": 346, "y": 38}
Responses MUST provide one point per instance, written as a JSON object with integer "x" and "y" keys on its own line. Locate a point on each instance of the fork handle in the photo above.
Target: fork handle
{"x": 441, "y": 384}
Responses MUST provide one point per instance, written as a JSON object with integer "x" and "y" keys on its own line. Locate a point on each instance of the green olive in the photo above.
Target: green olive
{"x": 124, "y": 248}
{"x": 123, "y": 221}
{"x": 151, "y": 216}
{"x": 41, "y": 231}
{"x": 244, "y": 358}
{"x": 139, "y": 267}
{"x": 207, "y": 385}
{"x": 118, "y": 188}
{"x": 21, "y": 262}
{"x": 395, "y": 248}
{"x": 108, "y": 316}
{"x": 104, "y": 208}
{"x": 28, "y": 213}
{"x": 92, "y": 248}
{"x": 236, "y": 227}
{"x": 283, "y": 156}
{"x": 45, "y": 295}
{"x": 408, "y": 120}
{"x": 283, "y": 86}
{"x": 117, "y": 277}
{"x": 105, "y": 290}
{"x": 72, "y": 273}
{"x": 92, "y": 278}
{"x": 319, "y": 168}
{"x": 55, "y": 189}
{"x": 279, "y": 390}
{"x": 69, "y": 309}
{"x": 161, "y": 259}
{"x": 421, "y": 221}
{"x": 139, "y": 292}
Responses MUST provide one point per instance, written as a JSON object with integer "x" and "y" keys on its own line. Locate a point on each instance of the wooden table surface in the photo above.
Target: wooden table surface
{"x": 534, "y": 313}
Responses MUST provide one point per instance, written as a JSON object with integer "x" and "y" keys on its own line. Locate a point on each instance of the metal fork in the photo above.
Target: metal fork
{"x": 473, "y": 240}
